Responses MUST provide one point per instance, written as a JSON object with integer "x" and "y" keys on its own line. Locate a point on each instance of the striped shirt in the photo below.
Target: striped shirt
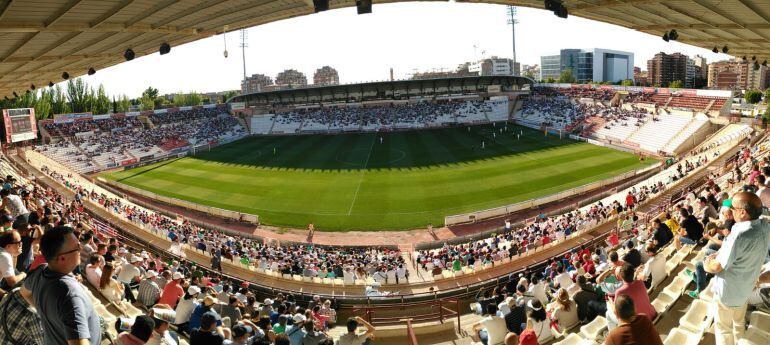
{"x": 149, "y": 292}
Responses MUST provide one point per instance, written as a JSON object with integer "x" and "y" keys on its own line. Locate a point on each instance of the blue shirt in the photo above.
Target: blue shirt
{"x": 741, "y": 256}
{"x": 295, "y": 335}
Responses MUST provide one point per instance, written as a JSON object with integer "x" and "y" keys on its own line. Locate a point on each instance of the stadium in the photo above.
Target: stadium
{"x": 473, "y": 209}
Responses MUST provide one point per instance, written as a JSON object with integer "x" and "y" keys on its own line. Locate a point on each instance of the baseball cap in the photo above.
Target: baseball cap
{"x": 163, "y": 314}
{"x": 208, "y": 319}
{"x": 135, "y": 258}
{"x": 298, "y": 318}
{"x": 151, "y": 274}
{"x": 192, "y": 290}
{"x": 241, "y": 330}
{"x": 177, "y": 275}
{"x": 268, "y": 301}
{"x": 727, "y": 203}
{"x": 208, "y": 300}
{"x": 6, "y": 218}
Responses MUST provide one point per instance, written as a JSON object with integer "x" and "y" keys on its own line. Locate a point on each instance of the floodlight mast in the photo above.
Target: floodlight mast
{"x": 512, "y": 21}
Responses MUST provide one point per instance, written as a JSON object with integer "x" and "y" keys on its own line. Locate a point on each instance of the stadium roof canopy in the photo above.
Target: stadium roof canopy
{"x": 384, "y": 90}
{"x": 40, "y": 39}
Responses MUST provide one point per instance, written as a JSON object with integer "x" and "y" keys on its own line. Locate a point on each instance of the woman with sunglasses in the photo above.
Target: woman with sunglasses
{"x": 10, "y": 248}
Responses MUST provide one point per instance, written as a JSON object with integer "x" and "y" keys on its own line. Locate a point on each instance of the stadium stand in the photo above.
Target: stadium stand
{"x": 94, "y": 145}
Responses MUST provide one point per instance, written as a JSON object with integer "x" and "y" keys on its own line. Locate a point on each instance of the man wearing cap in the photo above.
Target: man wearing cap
{"x": 149, "y": 292}
{"x": 7, "y": 221}
{"x": 173, "y": 290}
{"x": 130, "y": 275}
{"x": 163, "y": 317}
{"x": 185, "y": 307}
{"x": 206, "y": 307}
{"x": 737, "y": 266}
{"x": 208, "y": 333}
{"x": 246, "y": 333}
{"x": 296, "y": 331}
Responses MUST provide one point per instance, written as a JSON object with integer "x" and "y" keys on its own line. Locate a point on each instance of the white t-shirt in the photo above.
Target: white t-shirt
{"x": 656, "y": 267}
{"x": 93, "y": 275}
{"x": 564, "y": 280}
{"x": 184, "y": 310}
{"x": 6, "y": 264}
{"x": 496, "y": 329}
{"x": 128, "y": 272}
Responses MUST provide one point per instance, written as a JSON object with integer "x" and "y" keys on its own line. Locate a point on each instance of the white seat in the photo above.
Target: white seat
{"x": 594, "y": 328}
{"x": 664, "y": 301}
{"x": 760, "y": 320}
{"x": 678, "y": 336}
{"x": 696, "y": 319}
{"x": 754, "y": 336}
{"x": 571, "y": 339}
{"x": 679, "y": 283}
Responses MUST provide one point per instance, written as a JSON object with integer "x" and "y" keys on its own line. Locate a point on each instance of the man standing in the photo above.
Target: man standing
{"x": 737, "y": 266}
{"x": 65, "y": 308}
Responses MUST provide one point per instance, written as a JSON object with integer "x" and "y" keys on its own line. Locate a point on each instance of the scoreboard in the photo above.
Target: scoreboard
{"x": 19, "y": 124}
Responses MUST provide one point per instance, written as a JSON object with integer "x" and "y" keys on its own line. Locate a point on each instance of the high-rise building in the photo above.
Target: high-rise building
{"x": 737, "y": 74}
{"x": 595, "y": 64}
{"x": 291, "y": 78}
{"x": 494, "y": 66}
{"x": 704, "y": 67}
{"x": 666, "y": 68}
{"x": 326, "y": 76}
{"x": 255, "y": 83}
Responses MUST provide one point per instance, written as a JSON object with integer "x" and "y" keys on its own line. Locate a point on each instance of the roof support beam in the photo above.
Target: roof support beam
{"x": 115, "y": 10}
{"x": 609, "y": 4}
{"x": 720, "y": 13}
{"x": 87, "y": 27}
{"x": 4, "y": 6}
{"x": 62, "y": 12}
{"x": 189, "y": 11}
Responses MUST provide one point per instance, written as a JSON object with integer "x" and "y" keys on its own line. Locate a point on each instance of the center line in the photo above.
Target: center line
{"x": 363, "y": 171}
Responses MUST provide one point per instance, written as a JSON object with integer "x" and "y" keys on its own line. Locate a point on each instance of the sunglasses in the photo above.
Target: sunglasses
{"x": 77, "y": 249}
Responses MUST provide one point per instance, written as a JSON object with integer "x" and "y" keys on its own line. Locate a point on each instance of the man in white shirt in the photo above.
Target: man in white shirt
{"x": 94, "y": 269}
{"x": 130, "y": 273}
{"x": 14, "y": 203}
{"x": 491, "y": 330}
{"x": 737, "y": 266}
{"x": 563, "y": 279}
{"x": 764, "y": 191}
{"x": 537, "y": 289}
{"x": 655, "y": 268}
{"x": 10, "y": 247}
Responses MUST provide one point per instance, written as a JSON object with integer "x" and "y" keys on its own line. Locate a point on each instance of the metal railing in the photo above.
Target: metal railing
{"x": 438, "y": 311}
{"x": 410, "y": 332}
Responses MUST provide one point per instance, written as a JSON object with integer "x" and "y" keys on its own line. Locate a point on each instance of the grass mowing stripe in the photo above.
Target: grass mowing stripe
{"x": 351, "y": 181}
{"x": 363, "y": 172}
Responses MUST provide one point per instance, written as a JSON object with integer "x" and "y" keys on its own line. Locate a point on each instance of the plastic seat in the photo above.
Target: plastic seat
{"x": 307, "y": 279}
{"x": 663, "y": 301}
{"x": 458, "y": 273}
{"x": 696, "y": 319}
{"x": 754, "y": 336}
{"x": 592, "y": 330}
{"x": 707, "y": 294}
{"x": 317, "y": 280}
{"x": 760, "y": 320}
{"x": 287, "y": 276}
{"x": 678, "y": 336}
{"x": 571, "y": 339}
{"x": 679, "y": 283}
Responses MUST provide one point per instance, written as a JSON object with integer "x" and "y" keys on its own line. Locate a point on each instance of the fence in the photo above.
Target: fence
{"x": 438, "y": 311}
{"x": 241, "y": 217}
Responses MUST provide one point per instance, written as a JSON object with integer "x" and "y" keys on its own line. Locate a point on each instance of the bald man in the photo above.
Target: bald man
{"x": 737, "y": 266}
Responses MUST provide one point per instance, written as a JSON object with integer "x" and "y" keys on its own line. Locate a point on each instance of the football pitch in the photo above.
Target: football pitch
{"x": 358, "y": 182}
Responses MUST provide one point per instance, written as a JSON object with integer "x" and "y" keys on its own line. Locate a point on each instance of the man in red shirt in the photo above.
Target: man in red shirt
{"x": 630, "y": 200}
{"x": 634, "y": 329}
{"x": 635, "y": 290}
{"x": 172, "y": 291}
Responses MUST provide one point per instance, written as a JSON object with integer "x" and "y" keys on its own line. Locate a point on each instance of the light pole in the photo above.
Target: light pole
{"x": 512, "y": 21}
{"x": 243, "y": 45}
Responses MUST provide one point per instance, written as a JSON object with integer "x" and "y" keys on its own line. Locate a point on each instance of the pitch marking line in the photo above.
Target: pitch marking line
{"x": 363, "y": 171}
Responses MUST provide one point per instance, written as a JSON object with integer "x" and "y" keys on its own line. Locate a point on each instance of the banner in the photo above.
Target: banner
{"x": 68, "y": 118}
{"x": 128, "y": 162}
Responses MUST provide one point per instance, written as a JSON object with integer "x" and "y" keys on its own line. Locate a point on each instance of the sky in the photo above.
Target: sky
{"x": 409, "y": 37}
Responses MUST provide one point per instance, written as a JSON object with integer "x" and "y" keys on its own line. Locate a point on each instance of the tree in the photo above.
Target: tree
{"x": 766, "y": 117}
{"x": 230, "y": 94}
{"x": 146, "y": 103}
{"x": 59, "y": 101}
{"x": 151, "y": 92}
{"x": 79, "y": 95}
{"x": 627, "y": 82}
{"x": 753, "y": 96}
{"x": 527, "y": 74}
{"x": 767, "y": 95}
{"x": 123, "y": 104}
{"x": 566, "y": 76}
{"x": 101, "y": 102}
{"x": 550, "y": 80}
{"x": 676, "y": 84}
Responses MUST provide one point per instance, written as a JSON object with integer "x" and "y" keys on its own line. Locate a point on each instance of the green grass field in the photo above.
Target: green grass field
{"x": 353, "y": 181}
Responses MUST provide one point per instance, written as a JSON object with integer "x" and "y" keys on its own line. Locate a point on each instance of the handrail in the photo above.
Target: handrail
{"x": 410, "y": 332}
{"x": 438, "y": 312}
